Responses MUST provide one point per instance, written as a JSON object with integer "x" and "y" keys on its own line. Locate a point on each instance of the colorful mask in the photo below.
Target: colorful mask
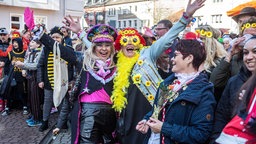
{"x": 129, "y": 36}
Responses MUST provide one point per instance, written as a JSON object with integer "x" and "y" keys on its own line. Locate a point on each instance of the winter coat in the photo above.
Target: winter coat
{"x": 224, "y": 110}
{"x": 189, "y": 118}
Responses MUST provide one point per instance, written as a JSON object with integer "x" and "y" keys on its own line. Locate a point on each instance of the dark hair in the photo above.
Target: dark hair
{"x": 167, "y": 23}
{"x": 38, "y": 42}
{"x": 193, "y": 47}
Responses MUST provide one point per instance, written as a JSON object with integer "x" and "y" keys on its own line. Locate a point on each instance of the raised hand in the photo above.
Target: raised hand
{"x": 192, "y": 7}
{"x": 38, "y": 32}
{"x": 71, "y": 24}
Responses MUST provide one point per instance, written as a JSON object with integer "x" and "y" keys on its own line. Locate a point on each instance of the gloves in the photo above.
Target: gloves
{"x": 38, "y": 32}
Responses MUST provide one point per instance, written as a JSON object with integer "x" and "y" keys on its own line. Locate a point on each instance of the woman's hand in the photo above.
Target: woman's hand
{"x": 142, "y": 127}
{"x": 41, "y": 85}
{"x": 19, "y": 64}
{"x": 71, "y": 24}
{"x": 192, "y": 8}
{"x": 155, "y": 125}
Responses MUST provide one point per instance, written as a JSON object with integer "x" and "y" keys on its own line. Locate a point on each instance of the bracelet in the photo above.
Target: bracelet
{"x": 182, "y": 22}
{"x": 185, "y": 15}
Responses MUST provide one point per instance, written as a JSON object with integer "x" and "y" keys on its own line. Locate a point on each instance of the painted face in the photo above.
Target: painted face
{"x": 57, "y": 37}
{"x": 129, "y": 45}
{"x": 103, "y": 50}
{"x": 33, "y": 45}
{"x": 178, "y": 63}
{"x": 160, "y": 30}
{"x": 15, "y": 45}
{"x": 249, "y": 55}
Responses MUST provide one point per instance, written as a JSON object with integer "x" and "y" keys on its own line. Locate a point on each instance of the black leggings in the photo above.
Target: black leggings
{"x": 97, "y": 123}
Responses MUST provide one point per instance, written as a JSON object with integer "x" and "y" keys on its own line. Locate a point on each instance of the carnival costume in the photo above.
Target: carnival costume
{"x": 93, "y": 118}
{"x": 133, "y": 96}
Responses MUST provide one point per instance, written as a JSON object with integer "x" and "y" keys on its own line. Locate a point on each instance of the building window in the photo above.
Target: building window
{"x": 119, "y": 24}
{"x": 135, "y": 8}
{"x": 119, "y": 10}
{"x": 217, "y": 18}
{"x": 41, "y": 20}
{"x": 216, "y": 1}
{"x": 16, "y": 22}
{"x": 199, "y": 20}
{"x": 124, "y": 22}
{"x": 130, "y": 9}
{"x": 135, "y": 23}
{"x": 130, "y": 23}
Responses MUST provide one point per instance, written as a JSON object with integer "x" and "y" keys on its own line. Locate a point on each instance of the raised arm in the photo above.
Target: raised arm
{"x": 76, "y": 28}
{"x": 166, "y": 41}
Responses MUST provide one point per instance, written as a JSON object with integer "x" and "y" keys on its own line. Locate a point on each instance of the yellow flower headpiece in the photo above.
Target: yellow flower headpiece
{"x": 129, "y": 35}
{"x": 202, "y": 32}
{"x": 248, "y": 25}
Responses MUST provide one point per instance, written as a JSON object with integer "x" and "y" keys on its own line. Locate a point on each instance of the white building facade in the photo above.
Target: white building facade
{"x": 48, "y": 12}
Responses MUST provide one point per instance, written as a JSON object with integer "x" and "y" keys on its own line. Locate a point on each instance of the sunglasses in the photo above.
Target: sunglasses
{"x": 3, "y": 34}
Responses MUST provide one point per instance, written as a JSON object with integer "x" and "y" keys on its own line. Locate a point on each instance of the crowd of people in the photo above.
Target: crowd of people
{"x": 126, "y": 87}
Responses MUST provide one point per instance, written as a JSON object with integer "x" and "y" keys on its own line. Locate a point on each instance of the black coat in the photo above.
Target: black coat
{"x": 225, "y": 108}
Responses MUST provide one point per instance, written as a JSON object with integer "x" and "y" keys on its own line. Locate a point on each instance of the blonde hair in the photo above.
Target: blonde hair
{"x": 214, "y": 49}
{"x": 90, "y": 57}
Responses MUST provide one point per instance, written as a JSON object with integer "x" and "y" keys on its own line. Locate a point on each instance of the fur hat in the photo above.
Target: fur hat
{"x": 56, "y": 29}
{"x": 245, "y": 11}
{"x": 101, "y": 33}
{"x": 129, "y": 34}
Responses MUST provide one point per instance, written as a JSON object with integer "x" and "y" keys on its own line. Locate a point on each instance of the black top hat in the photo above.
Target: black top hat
{"x": 245, "y": 11}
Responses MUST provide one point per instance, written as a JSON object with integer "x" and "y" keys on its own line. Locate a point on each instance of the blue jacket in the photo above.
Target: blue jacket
{"x": 189, "y": 118}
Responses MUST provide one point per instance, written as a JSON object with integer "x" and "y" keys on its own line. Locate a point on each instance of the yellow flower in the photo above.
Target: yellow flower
{"x": 151, "y": 97}
{"x": 140, "y": 62}
{"x": 247, "y": 25}
{"x": 253, "y": 25}
{"x": 202, "y": 32}
{"x": 135, "y": 40}
{"x": 198, "y": 31}
{"x": 124, "y": 40}
{"x": 147, "y": 83}
{"x": 158, "y": 83}
{"x": 209, "y": 34}
{"x": 136, "y": 79}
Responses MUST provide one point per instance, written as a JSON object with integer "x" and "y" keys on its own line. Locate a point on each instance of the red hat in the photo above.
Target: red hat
{"x": 191, "y": 36}
{"x": 15, "y": 34}
{"x": 129, "y": 34}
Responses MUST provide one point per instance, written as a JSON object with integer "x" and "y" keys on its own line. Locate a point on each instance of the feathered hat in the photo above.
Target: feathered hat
{"x": 129, "y": 34}
{"x": 101, "y": 33}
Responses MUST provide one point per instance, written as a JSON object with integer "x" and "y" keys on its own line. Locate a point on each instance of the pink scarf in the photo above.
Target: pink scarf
{"x": 103, "y": 67}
